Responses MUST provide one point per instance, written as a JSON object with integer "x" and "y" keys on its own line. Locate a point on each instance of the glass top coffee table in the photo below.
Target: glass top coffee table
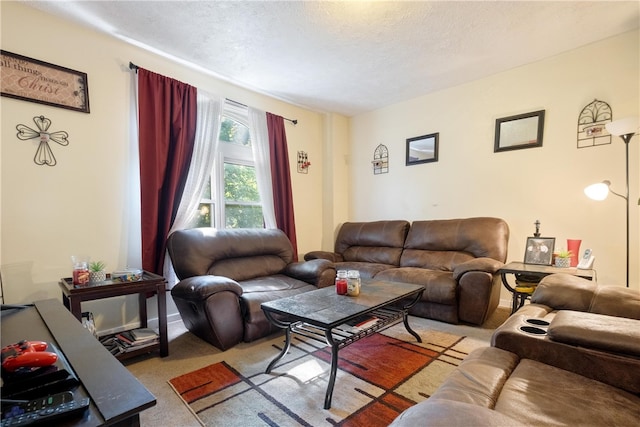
{"x": 324, "y": 316}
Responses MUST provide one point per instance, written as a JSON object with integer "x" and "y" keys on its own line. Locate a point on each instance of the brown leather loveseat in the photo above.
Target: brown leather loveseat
{"x": 456, "y": 259}
{"x": 225, "y": 275}
{"x": 581, "y": 368}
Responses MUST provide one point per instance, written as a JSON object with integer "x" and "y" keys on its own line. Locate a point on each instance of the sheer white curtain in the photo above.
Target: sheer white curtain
{"x": 131, "y": 255}
{"x": 204, "y": 153}
{"x": 260, "y": 143}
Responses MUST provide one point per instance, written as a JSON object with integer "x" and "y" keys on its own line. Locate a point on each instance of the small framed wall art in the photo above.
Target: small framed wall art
{"x": 422, "y": 149}
{"x": 539, "y": 250}
{"x": 521, "y": 131}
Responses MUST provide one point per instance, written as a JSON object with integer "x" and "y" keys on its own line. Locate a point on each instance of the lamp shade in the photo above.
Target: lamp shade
{"x": 598, "y": 191}
{"x": 623, "y": 126}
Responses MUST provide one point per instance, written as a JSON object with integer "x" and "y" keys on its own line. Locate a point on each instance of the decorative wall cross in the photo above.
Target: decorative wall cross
{"x": 44, "y": 155}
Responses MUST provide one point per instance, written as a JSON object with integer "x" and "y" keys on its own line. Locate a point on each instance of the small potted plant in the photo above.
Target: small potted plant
{"x": 563, "y": 259}
{"x": 97, "y": 272}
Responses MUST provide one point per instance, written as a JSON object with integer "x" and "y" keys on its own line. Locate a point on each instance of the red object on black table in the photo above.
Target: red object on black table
{"x": 27, "y": 354}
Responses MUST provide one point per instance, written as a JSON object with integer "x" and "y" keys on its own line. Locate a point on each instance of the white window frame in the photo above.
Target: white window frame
{"x": 228, "y": 153}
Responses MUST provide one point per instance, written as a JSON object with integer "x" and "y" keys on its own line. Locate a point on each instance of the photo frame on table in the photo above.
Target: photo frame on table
{"x": 422, "y": 149}
{"x": 539, "y": 250}
{"x": 32, "y": 80}
{"x": 518, "y": 132}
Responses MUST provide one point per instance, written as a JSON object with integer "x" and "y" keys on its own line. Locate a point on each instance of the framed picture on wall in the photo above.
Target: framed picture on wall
{"x": 518, "y": 132}
{"x": 539, "y": 250}
{"x": 422, "y": 149}
{"x": 37, "y": 81}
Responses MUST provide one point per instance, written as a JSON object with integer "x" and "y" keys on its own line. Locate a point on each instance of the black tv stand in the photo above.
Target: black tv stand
{"x": 117, "y": 397}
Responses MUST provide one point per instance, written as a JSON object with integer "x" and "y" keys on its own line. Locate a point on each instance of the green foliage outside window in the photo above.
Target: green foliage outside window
{"x": 234, "y": 132}
{"x": 240, "y": 183}
{"x": 242, "y": 200}
{"x": 242, "y": 207}
{"x": 203, "y": 217}
{"x": 243, "y": 216}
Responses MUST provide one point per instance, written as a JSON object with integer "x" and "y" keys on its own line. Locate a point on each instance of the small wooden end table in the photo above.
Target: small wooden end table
{"x": 535, "y": 272}
{"x": 73, "y": 295}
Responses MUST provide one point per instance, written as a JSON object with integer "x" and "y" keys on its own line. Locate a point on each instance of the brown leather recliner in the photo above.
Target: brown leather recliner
{"x": 225, "y": 275}
{"x": 494, "y": 387}
{"x": 580, "y": 368}
{"x": 587, "y": 327}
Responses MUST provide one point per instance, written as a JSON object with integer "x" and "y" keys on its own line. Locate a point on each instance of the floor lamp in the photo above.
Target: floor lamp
{"x": 625, "y": 129}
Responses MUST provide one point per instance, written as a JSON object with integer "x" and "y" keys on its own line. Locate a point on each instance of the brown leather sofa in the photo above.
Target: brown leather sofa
{"x": 225, "y": 275}
{"x": 580, "y": 368}
{"x": 456, "y": 259}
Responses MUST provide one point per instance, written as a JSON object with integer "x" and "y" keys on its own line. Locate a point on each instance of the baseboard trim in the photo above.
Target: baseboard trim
{"x": 505, "y": 303}
{"x": 151, "y": 323}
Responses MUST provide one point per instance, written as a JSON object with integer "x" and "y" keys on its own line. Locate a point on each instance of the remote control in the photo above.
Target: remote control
{"x": 41, "y": 410}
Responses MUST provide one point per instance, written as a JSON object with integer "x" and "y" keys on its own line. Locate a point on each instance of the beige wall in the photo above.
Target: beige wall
{"x": 50, "y": 213}
{"x": 521, "y": 186}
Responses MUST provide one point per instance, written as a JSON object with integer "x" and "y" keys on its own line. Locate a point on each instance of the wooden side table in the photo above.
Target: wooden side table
{"x": 73, "y": 295}
{"x": 535, "y": 272}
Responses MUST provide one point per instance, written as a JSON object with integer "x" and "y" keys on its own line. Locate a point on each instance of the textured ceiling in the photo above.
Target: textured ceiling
{"x": 351, "y": 57}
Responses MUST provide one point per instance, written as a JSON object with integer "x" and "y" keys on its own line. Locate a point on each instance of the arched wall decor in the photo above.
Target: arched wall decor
{"x": 380, "y": 160}
{"x": 591, "y": 124}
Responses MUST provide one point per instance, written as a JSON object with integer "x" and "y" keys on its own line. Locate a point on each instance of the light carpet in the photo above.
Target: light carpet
{"x": 188, "y": 353}
{"x": 378, "y": 377}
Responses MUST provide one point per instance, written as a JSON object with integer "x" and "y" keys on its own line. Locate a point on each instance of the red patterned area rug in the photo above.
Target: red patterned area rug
{"x": 378, "y": 377}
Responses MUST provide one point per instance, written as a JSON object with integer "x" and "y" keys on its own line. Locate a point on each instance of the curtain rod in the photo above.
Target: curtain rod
{"x": 134, "y": 67}
{"x": 294, "y": 121}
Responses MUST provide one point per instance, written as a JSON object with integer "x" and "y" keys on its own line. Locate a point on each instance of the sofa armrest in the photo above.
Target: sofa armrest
{"x": 441, "y": 412}
{"x": 611, "y": 368}
{"x": 607, "y": 333}
{"x": 562, "y": 291}
{"x": 487, "y": 265}
{"x": 467, "y": 397}
{"x": 210, "y": 309}
{"x": 199, "y": 288}
{"x": 331, "y": 256}
{"x": 318, "y": 272}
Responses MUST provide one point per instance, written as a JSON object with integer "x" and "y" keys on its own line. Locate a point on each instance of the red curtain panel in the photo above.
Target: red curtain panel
{"x": 167, "y": 125}
{"x": 281, "y": 177}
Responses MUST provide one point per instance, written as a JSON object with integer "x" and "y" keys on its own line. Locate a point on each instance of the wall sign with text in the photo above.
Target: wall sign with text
{"x": 37, "y": 81}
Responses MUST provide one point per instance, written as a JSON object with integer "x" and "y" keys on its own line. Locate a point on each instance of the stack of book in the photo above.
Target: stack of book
{"x": 132, "y": 340}
{"x": 360, "y": 323}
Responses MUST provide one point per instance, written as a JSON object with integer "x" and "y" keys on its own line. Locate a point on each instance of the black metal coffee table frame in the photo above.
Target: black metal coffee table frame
{"x": 322, "y": 315}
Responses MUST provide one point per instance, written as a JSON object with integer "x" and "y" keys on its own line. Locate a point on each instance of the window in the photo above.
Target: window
{"x": 233, "y": 179}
